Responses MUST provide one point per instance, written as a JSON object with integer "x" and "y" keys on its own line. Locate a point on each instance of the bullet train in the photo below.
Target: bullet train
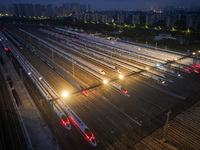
{"x": 67, "y": 113}
{"x": 37, "y": 80}
{"x": 52, "y": 65}
{"x": 63, "y": 54}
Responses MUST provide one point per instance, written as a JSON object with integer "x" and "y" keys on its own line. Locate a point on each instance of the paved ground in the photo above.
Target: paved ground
{"x": 38, "y": 131}
{"x": 11, "y": 133}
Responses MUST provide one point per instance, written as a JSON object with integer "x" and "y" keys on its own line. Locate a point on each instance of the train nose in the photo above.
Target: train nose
{"x": 65, "y": 121}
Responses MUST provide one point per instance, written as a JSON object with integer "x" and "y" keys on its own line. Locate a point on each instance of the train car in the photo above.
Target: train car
{"x": 82, "y": 128}
{"x": 79, "y": 59}
{"x": 17, "y": 43}
{"x": 64, "y": 119}
{"x": 67, "y": 39}
{"x": 37, "y": 80}
{"x": 121, "y": 89}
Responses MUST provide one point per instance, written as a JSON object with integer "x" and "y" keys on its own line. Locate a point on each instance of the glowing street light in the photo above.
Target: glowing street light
{"x": 193, "y": 53}
{"x": 64, "y": 94}
{"x": 121, "y": 76}
{"x": 158, "y": 65}
{"x": 105, "y": 81}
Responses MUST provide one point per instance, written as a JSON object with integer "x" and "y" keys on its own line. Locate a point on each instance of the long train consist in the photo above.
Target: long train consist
{"x": 158, "y": 77}
{"x": 136, "y": 49}
{"x": 52, "y": 65}
{"x": 37, "y": 80}
{"x": 66, "y": 55}
{"x": 86, "y": 40}
{"x": 95, "y": 59}
{"x": 50, "y": 95}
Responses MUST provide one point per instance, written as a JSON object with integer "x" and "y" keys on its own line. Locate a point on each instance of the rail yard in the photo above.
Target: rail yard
{"x": 96, "y": 93}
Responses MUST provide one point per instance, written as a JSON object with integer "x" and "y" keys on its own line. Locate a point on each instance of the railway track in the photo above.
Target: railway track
{"x": 12, "y": 136}
{"x": 105, "y": 110}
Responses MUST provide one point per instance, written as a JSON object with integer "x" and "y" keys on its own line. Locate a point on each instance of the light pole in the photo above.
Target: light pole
{"x": 56, "y": 37}
{"x": 30, "y": 40}
{"x": 10, "y": 57}
{"x": 166, "y": 124}
{"x": 73, "y": 66}
{"x": 20, "y": 70}
{"x": 196, "y": 55}
{"x": 188, "y": 52}
{"x": 156, "y": 46}
{"x": 52, "y": 55}
{"x": 39, "y": 45}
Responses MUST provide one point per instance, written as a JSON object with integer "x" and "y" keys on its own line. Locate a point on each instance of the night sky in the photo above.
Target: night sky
{"x": 113, "y": 4}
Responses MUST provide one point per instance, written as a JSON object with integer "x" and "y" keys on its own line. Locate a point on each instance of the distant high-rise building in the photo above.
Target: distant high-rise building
{"x": 170, "y": 21}
{"x": 37, "y": 10}
{"x": 87, "y": 17}
{"x": 95, "y": 17}
{"x": 79, "y": 16}
{"x": 149, "y": 19}
{"x": 192, "y": 21}
{"x": 136, "y": 19}
{"x": 89, "y": 8}
{"x": 29, "y": 10}
{"x": 64, "y": 9}
{"x": 75, "y": 7}
{"x": 49, "y": 10}
{"x": 120, "y": 18}
{"x": 21, "y": 9}
{"x": 161, "y": 17}
{"x": 2, "y": 9}
{"x": 68, "y": 8}
{"x": 179, "y": 17}
{"x": 43, "y": 10}
{"x": 82, "y": 8}
{"x": 104, "y": 18}
{"x": 57, "y": 11}
{"x": 156, "y": 17}
{"x": 15, "y": 9}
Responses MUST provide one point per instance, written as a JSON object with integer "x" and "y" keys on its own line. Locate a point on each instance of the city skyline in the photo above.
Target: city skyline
{"x": 115, "y": 4}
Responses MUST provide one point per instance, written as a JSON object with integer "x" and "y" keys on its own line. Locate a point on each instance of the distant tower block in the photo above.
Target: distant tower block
{"x": 89, "y": 7}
